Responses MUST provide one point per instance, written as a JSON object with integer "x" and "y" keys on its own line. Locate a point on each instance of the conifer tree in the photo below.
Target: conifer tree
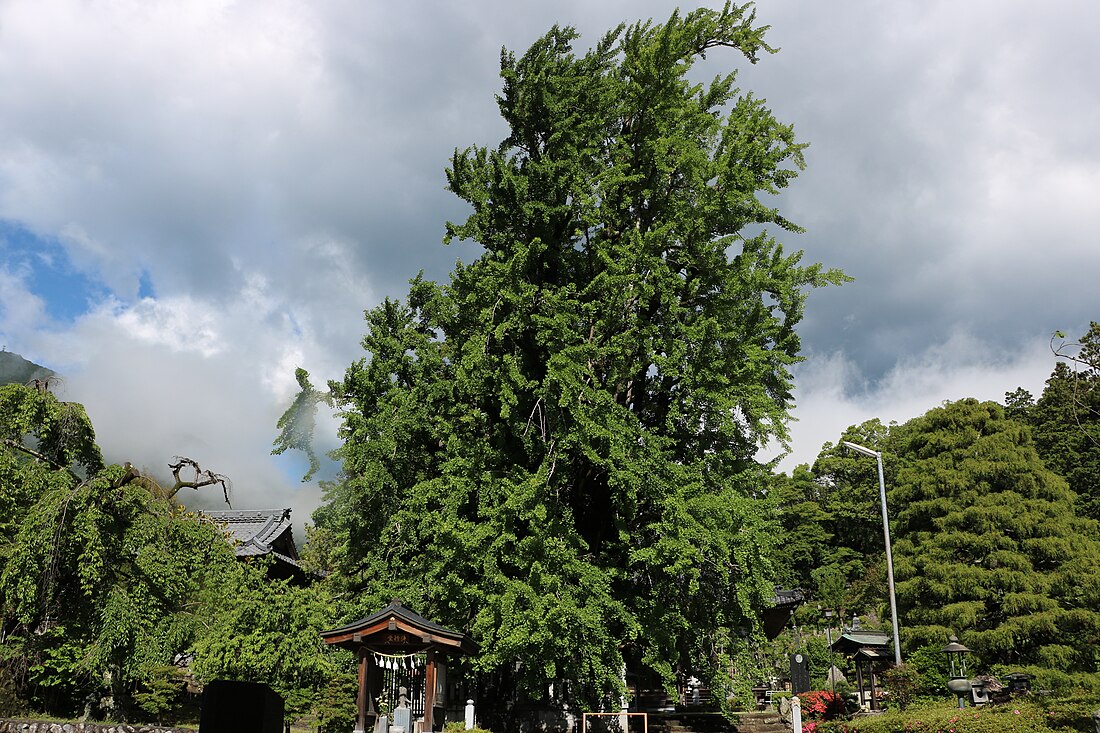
{"x": 1066, "y": 421}
{"x": 988, "y": 545}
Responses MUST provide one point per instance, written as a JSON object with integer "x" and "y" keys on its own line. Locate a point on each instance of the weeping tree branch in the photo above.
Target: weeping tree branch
{"x": 19, "y": 446}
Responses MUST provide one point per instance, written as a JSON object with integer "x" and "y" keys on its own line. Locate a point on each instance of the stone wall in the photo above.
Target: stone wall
{"x": 34, "y": 726}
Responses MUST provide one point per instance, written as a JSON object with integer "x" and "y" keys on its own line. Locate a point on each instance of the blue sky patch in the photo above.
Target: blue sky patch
{"x": 145, "y": 286}
{"x": 49, "y": 273}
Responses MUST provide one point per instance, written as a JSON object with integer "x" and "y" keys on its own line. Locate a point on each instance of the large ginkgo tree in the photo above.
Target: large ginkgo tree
{"x": 555, "y": 451}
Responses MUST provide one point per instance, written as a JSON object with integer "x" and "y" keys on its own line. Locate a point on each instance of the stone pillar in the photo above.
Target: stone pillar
{"x": 624, "y": 703}
{"x": 469, "y": 714}
{"x": 796, "y": 715}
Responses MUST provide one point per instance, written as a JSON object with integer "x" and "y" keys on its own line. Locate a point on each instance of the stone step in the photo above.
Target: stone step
{"x": 763, "y": 721}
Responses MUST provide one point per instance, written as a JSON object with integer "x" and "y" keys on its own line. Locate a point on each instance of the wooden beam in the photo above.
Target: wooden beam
{"x": 361, "y": 723}
{"x": 429, "y": 692}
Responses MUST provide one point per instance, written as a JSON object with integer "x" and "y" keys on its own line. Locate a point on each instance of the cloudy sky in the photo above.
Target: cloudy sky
{"x": 196, "y": 197}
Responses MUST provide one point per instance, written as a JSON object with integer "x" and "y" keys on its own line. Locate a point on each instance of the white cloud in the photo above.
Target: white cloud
{"x": 176, "y": 376}
{"x": 21, "y": 311}
{"x": 274, "y": 168}
{"x": 179, "y": 325}
{"x": 832, "y": 392}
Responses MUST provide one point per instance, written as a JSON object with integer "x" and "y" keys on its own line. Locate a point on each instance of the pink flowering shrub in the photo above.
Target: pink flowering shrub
{"x": 821, "y": 705}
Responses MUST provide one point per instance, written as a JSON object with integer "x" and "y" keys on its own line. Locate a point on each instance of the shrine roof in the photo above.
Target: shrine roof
{"x": 784, "y": 604}
{"x": 851, "y": 642}
{"x": 410, "y": 620}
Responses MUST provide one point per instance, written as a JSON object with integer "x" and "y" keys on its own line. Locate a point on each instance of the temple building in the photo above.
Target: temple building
{"x": 264, "y": 533}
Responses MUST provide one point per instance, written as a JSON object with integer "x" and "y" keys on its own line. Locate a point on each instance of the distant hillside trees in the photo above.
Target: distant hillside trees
{"x": 14, "y": 369}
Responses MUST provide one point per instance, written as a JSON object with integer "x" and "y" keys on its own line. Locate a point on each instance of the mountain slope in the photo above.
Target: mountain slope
{"x": 14, "y": 368}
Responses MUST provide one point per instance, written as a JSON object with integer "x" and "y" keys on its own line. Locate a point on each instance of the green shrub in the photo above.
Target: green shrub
{"x": 1023, "y": 716}
{"x": 931, "y": 663}
{"x": 1058, "y": 683}
{"x": 335, "y": 707}
{"x": 160, "y": 691}
{"x": 902, "y": 684}
{"x": 459, "y": 727}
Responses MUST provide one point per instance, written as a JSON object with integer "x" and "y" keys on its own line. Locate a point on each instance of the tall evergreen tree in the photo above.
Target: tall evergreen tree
{"x": 555, "y": 451}
{"x": 1066, "y": 421}
{"x": 988, "y": 545}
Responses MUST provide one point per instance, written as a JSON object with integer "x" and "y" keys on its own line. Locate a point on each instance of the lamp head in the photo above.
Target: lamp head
{"x": 860, "y": 449}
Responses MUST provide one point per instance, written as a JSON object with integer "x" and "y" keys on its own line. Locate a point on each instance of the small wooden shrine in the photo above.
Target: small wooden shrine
{"x": 870, "y": 651}
{"x": 403, "y": 662}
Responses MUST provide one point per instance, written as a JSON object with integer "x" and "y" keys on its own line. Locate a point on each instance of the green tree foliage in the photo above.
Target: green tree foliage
{"x": 269, "y": 631}
{"x": 804, "y": 517}
{"x": 831, "y": 513}
{"x": 1066, "y": 420}
{"x": 296, "y": 424}
{"x": 988, "y": 545}
{"x": 44, "y": 444}
{"x": 555, "y": 451}
{"x": 101, "y": 571}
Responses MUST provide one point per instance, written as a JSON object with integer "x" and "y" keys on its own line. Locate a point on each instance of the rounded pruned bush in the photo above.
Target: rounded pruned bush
{"x": 1020, "y": 717}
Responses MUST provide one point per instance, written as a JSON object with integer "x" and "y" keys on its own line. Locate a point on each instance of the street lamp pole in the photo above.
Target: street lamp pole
{"x": 886, "y": 534}
{"x": 829, "y": 639}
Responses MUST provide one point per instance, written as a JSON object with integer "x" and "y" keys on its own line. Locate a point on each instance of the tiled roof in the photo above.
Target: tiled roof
{"x": 867, "y": 638}
{"x": 785, "y": 597}
{"x": 784, "y": 604}
{"x": 852, "y": 641}
{"x": 254, "y": 531}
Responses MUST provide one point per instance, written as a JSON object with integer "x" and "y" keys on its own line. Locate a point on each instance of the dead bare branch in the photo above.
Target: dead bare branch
{"x": 1082, "y": 369}
{"x": 197, "y": 477}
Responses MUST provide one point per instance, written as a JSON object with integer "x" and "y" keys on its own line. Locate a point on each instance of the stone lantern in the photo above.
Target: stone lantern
{"x": 958, "y": 681}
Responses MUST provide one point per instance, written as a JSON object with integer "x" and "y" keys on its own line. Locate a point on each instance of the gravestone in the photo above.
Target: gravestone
{"x": 402, "y": 718}
{"x": 240, "y": 707}
{"x": 800, "y": 674}
{"x": 402, "y": 714}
